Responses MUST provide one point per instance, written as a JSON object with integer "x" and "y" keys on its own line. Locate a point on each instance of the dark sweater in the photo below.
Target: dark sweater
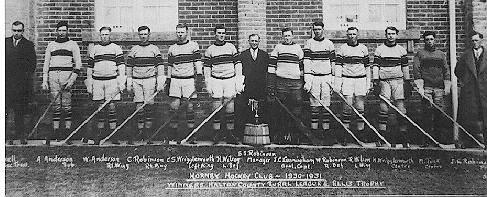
{"x": 431, "y": 66}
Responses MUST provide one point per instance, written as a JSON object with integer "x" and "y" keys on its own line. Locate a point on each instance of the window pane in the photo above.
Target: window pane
{"x": 375, "y": 13}
{"x": 391, "y": 13}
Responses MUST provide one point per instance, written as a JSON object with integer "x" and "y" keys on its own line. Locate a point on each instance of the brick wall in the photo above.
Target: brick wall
{"x": 80, "y": 17}
{"x": 434, "y": 16}
{"x": 201, "y": 16}
{"x": 479, "y": 17}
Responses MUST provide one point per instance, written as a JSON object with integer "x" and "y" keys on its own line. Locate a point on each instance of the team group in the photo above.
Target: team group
{"x": 273, "y": 81}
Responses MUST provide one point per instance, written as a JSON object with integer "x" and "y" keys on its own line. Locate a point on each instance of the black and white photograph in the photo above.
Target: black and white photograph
{"x": 244, "y": 98}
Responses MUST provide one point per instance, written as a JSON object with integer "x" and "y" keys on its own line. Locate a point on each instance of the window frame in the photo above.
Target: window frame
{"x": 138, "y": 7}
{"x": 362, "y": 14}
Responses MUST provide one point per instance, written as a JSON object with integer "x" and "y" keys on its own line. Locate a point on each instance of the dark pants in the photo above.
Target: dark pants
{"x": 289, "y": 93}
{"x": 19, "y": 115}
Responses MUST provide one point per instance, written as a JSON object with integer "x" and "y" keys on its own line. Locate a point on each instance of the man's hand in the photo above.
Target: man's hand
{"x": 420, "y": 84}
{"x": 209, "y": 82}
{"x": 161, "y": 80}
{"x": 337, "y": 84}
{"x": 129, "y": 84}
{"x": 89, "y": 85}
{"x": 45, "y": 85}
{"x": 447, "y": 84}
{"x": 121, "y": 80}
{"x": 239, "y": 84}
{"x": 308, "y": 82}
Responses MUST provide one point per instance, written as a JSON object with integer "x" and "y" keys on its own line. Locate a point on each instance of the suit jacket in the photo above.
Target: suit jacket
{"x": 472, "y": 103}
{"x": 255, "y": 72}
{"x": 20, "y": 63}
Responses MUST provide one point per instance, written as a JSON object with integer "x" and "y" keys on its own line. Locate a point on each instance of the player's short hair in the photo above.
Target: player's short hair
{"x": 352, "y": 28}
{"x": 318, "y": 23}
{"x": 219, "y": 26}
{"x": 18, "y": 23}
{"x": 286, "y": 29}
{"x": 62, "y": 24}
{"x": 391, "y": 28}
{"x": 473, "y": 33}
{"x": 182, "y": 25}
{"x": 142, "y": 28}
{"x": 429, "y": 33}
{"x": 252, "y": 35}
{"x": 106, "y": 28}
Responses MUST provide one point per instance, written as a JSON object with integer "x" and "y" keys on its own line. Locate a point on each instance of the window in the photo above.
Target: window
{"x": 364, "y": 14}
{"x": 128, "y": 15}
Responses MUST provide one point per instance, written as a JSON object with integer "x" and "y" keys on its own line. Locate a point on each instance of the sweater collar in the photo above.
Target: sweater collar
{"x": 61, "y": 40}
{"x": 284, "y": 43}
{"x": 319, "y": 39}
{"x": 390, "y": 44}
{"x": 144, "y": 44}
{"x": 187, "y": 41}
{"x": 220, "y": 43}
{"x": 352, "y": 45}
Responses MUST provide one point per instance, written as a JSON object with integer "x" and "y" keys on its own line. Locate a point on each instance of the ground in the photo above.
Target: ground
{"x": 174, "y": 170}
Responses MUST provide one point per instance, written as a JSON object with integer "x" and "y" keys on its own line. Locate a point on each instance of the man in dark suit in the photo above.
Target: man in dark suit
{"x": 20, "y": 63}
{"x": 471, "y": 71}
{"x": 254, "y": 68}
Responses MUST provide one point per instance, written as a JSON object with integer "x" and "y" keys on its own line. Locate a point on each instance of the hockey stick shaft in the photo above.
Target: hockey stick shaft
{"x": 172, "y": 116}
{"x": 206, "y": 120}
{"x": 129, "y": 118}
{"x": 91, "y": 116}
{"x": 338, "y": 120}
{"x": 449, "y": 117}
{"x": 44, "y": 114}
{"x": 409, "y": 119}
{"x": 360, "y": 115}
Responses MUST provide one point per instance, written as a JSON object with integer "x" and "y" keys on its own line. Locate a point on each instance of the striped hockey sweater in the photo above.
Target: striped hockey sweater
{"x": 318, "y": 56}
{"x": 104, "y": 60}
{"x": 181, "y": 58}
{"x": 390, "y": 60}
{"x": 145, "y": 60}
{"x": 222, "y": 59}
{"x": 354, "y": 59}
{"x": 61, "y": 55}
{"x": 286, "y": 61}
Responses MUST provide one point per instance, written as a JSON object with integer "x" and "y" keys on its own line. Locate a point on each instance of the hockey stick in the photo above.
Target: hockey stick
{"x": 340, "y": 121}
{"x": 413, "y": 123}
{"x": 172, "y": 116}
{"x": 206, "y": 120}
{"x": 449, "y": 117}
{"x": 301, "y": 127}
{"x": 90, "y": 117}
{"x": 45, "y": 113}
{"x": 130, "y": 117}
{"x": 360, "y": 115}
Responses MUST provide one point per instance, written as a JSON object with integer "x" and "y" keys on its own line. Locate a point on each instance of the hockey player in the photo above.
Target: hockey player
{"x": 105, "y": 79}
{"x": 391, "y": 80}
{"x": 319, "y": 70}
{"x": 145, "y": 75}
{"x": 432, "y": 77}
{"x": 224, "y": 79}
{"x": 353, "y": 58}
{"x": 183, "y": 58}
{"x": 284, "y": 81}
{"x": 59, "y": 75}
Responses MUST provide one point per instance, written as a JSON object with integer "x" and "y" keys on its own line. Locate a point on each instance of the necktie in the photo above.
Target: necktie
{"x": 15, "y": 42}
{"x": 254, "y": 54}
